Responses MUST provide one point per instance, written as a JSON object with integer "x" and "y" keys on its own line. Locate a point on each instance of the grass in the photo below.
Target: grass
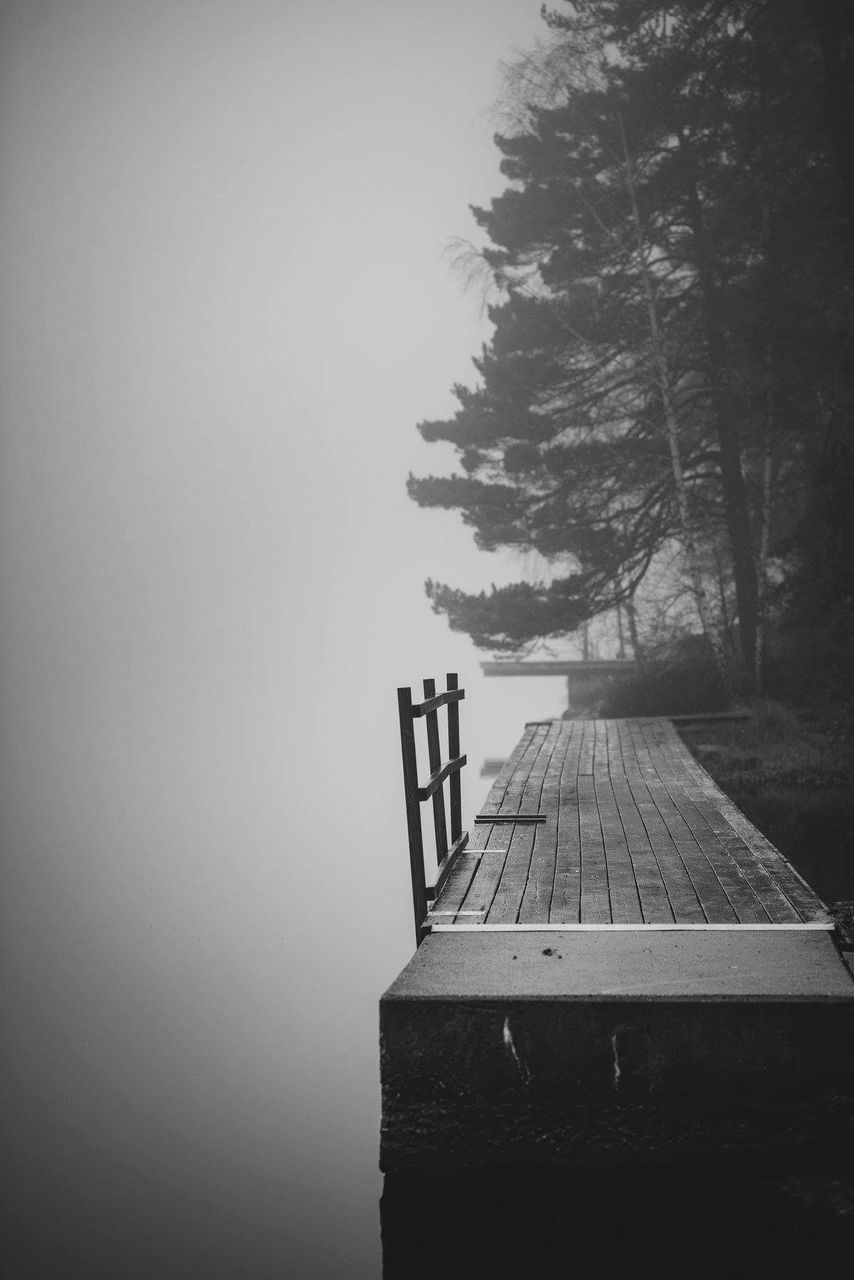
{"x": 790, "y": 773}
{"x": 777, "y": 746}
{"x": 789, "y": 766}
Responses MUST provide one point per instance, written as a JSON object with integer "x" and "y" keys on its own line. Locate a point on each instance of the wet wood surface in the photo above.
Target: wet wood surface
{"x": 635, "y": 833}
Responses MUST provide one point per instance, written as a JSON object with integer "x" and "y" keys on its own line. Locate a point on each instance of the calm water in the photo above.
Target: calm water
{"x": 202, "y": 1103}
{"x": 535, "y": 1225}
{"x": 630, "y": 1222}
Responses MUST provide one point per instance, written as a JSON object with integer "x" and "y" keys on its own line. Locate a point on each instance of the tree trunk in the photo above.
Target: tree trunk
{"x": 726, "y": 624}
{"x": 698, "y": 586}
{"x": 832, "y": 24}
{"x": 632, "y": 619}
{"x": 762, "y": 566}
{"x": 621, "y": 639}
{"x": 736, "y": 505}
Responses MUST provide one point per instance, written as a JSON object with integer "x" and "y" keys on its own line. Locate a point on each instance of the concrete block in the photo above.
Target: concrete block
{"x": 590, "y": 1049}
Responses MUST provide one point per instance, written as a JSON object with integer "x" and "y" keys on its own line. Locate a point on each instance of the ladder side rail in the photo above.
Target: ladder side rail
{"x": 434, "y": 752}
{"x": 413, "y": 810}
{"x": 453, "y": 683}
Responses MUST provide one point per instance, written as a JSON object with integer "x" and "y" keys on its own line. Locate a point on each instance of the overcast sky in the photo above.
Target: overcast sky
{"x": 225, "y": 307}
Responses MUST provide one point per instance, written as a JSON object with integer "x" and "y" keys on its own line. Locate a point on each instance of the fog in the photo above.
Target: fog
{"x": 225, "y": 307}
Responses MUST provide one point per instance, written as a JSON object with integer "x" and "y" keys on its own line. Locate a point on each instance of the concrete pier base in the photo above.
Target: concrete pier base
{"x": 601, "y": 1048}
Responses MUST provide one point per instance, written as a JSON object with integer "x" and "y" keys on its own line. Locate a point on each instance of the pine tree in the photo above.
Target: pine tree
{"x": 673, "y": 257}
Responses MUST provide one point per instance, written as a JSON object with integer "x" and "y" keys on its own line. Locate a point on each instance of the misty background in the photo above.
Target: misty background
{"x": 225, "y": 306}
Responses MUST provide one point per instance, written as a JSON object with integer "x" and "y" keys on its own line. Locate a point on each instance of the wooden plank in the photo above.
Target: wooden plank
{"x": 712, "y": 894}
{"x": 777, "y": 906}
{"x": 537, "y": 896}
{"x": 774, "y": 902}
{"x": 459, "y": 882}
{"x": 595, "y": 898}
{"x": 681, "y": 891}
{"x": 769, "y": 875}
{"x": 498, "y": 790}
{"x": 807, "y": 926}
{"x": 446, "y": 866}
{"x": 436, "y": 779}
{"x": 622, "y": 884}
{"x": 781, "y": 888}
{"x": 566, "y": 896}
{"x": 518, "y": 788}
{"x": 456, "y": 887}
{"x": 585, "y": 760}
{"x": 652, "y": 891}
{"x": 517, "y": 817}
{"x": 504, "y": 794}
{"x": 507, "y": 902}
{"x": 435, "y": 701}
{"x": 504, "y": 907}
{"x": 636, "y": 835}
{"x": 743, "y": 900}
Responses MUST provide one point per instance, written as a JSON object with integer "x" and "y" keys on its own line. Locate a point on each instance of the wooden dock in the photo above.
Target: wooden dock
{"x": 633, "y": 832}
{"x": 618, "y": 968}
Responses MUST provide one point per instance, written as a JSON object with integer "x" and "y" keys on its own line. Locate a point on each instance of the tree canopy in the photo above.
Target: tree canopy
{"x": 670, "y": 370}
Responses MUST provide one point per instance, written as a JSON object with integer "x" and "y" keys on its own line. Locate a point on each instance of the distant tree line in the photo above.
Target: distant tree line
{"x": 671, "y": 375}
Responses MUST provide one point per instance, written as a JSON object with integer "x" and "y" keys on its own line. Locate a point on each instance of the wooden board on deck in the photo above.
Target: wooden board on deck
{"x": 636, "y": 833}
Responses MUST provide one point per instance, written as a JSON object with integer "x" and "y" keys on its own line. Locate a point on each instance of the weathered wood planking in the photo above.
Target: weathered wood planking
{"x": 636, "y": 833}
{"x": 507, "y": 901}
{"x": 504, "y": 797}
{"x": 566, "y": 896}
{"x": 652, "y": 889}
{"x": 622, "y": 880}
{"x": 539, "y": 886}
{"x": 713, "y": 898}
{"x": 453, "y": 896}
{"x": 652, "y": 839}
{"x": 782, "y": 891}
{"x": 745, "y": 902}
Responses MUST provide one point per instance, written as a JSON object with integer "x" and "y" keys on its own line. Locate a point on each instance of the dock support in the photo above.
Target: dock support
{"x": 592, "y": 1049}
